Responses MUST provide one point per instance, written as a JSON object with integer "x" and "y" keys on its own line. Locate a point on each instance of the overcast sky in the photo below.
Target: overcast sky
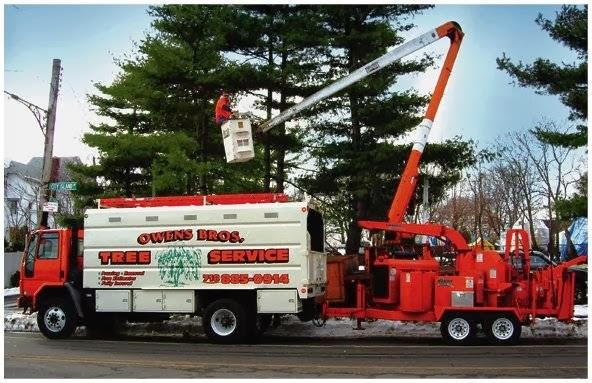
{"x": 479, "y": 102}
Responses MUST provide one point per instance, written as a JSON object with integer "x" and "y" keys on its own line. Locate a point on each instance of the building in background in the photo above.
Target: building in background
{"x": 21, "y": 193}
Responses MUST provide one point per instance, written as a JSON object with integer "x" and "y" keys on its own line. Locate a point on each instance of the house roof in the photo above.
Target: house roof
{"x": 33, "y": 168}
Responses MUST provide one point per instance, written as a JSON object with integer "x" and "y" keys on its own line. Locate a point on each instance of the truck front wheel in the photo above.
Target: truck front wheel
{"x": 57, "y": 318}
{"x": 225, "y": 321}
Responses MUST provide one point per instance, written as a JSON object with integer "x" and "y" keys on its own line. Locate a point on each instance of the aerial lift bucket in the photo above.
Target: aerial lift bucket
{"x": 237, "y": 135}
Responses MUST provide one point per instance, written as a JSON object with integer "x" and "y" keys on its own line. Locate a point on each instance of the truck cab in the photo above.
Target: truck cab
{"x": 50, "y": 273}
{"x": 48, "y": 263}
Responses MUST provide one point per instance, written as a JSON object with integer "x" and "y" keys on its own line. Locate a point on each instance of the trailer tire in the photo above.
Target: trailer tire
{"x": 503, "y": 329}
{"x": 225, "y": 321}
{"x": 57, "y": 318}
{"x": 458, "y": 329}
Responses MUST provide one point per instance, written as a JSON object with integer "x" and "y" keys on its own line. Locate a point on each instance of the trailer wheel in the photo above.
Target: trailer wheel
{"x": 225, "y": 321}
{"x": 503, "y": 329}
{"x": 458, "y": 329}
{"x": 57, "y": 318}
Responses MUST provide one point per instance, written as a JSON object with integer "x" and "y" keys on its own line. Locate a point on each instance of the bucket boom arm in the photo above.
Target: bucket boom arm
{"x": 409, "y": 177}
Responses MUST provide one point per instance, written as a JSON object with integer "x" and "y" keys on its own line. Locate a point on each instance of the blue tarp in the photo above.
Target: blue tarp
{"x": 578, "y": 232}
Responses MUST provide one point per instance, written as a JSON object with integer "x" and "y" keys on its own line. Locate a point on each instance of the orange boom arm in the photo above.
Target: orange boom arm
{"x": 409, "y": 177}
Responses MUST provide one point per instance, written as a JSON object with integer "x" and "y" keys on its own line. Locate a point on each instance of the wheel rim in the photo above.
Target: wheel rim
{"x": 223, "y": 322}
{"x": 459, "y": 329}
{"x": 502, "y": 328}
{"x": 55, "y": 319}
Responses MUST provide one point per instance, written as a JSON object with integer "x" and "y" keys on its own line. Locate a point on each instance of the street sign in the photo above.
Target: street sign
{"x": 63, "y": 186}
{"x": 50, "y": 207}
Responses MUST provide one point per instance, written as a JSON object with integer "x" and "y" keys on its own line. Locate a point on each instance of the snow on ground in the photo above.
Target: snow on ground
{"x": 581, "y": 311}
{"x": 336, "y": 327}
{"x": 291, "y": 326}
{"x": 11, "y": 291}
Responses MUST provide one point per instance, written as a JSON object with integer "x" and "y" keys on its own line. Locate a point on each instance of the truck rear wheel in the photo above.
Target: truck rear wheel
{"x": 458, "y": 329}
{"x": 225, "y": 321}
{"x": 503, "y": 329}
{"x": 57, "y": 318}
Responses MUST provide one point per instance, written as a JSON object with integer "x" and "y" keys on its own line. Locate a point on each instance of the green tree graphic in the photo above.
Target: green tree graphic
{"x": 179, "y": 263}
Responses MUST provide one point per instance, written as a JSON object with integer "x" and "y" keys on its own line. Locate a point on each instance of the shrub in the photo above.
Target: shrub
{"x": 15, "y": 279}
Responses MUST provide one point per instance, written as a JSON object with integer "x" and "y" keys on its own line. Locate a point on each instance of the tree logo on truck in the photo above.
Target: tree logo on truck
{"x": 179, "y": 265}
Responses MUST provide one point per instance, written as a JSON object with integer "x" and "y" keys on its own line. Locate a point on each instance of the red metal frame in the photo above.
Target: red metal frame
{"x": 406, "y": 186}
{"x": 193, "y": 200}
{"x": 456, "y": 238}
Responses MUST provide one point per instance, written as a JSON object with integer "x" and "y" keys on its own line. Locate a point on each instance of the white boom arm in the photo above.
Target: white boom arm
{"x": 399, "y": 52}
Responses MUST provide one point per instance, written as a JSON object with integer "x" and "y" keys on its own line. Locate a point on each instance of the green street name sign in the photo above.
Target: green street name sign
{"x": 63, "y": 186}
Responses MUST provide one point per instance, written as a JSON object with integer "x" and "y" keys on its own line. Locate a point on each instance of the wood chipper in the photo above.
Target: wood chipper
{"x": 397, "y": 279}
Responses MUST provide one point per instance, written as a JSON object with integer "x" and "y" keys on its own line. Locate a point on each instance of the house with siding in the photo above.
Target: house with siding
{"x": 21, "y": 192}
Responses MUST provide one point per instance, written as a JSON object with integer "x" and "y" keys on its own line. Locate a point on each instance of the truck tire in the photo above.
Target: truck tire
{"x": 225, "y": 321}
{"x": 57, "y": 318}
{"x": 503, "y": 329}
{"x": 458, "y": 329}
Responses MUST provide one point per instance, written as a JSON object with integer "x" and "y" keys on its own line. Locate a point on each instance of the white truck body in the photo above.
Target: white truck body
{"x": 155, "y": 259}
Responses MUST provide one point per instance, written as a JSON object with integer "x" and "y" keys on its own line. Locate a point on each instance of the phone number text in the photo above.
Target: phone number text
{"x": 243, "y": 279}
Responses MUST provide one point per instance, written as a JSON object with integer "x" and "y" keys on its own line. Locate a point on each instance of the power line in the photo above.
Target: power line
{"x": 77, "y": 98}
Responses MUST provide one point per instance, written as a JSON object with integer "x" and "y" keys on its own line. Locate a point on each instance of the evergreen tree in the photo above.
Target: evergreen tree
{"x": 568, "y": 81}
{"x": 280, "y": 40}
{"x": 160, "y": 130}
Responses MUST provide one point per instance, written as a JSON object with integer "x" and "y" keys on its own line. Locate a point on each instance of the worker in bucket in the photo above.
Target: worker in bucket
{"x": 223, "y": 111}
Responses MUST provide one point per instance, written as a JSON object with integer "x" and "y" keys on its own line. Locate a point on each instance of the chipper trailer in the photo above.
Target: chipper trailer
{"x": 238, "y": 260}
{"x": 399, "y": 280}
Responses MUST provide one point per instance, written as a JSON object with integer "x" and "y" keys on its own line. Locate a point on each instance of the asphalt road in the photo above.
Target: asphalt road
{"x": 10, "y": 302}
{"x": 30, "y": 355}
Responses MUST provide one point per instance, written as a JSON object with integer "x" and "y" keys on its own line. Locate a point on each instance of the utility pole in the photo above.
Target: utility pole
{"x": 42, "y": 216}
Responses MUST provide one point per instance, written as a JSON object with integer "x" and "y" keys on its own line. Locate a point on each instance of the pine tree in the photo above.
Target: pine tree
{"x": 161, "y": 138}
{"x": 568, "y": 81}
{"x": 280, "y": 40}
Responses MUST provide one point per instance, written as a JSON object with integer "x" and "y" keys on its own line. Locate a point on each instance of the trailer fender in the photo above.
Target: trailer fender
{"x": 76, "y": 298}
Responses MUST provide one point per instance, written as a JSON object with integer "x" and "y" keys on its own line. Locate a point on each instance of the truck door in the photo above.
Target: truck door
{"x": 43, "y": 263}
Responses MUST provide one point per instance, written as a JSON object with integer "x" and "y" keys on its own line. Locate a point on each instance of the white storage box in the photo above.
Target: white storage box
{"x": 238, "y": 140}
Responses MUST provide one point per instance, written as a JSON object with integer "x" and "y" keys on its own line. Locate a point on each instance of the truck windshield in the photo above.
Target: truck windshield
{"x": 30, "y": 256}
